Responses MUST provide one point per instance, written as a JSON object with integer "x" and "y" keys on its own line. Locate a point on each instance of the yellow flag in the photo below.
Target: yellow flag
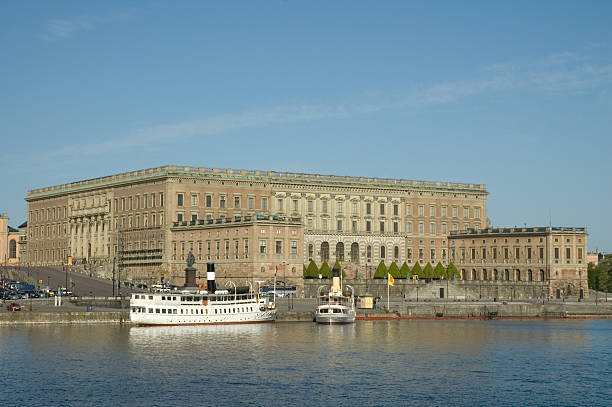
{"x": 391, "y": 280}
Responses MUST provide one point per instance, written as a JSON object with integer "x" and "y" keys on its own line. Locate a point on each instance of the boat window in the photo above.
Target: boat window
{"x": 150, "y": 297}
{"x": 163, "y": 310}
{"x": 163, "y": 297}
{"x": 215, "y": 311}
{"x": 150, "y": 310}
{"x": 181, "y": 311}
{"x": 206, "y": 311}
{"x": 157, "y": 310}
{"x": 197, "y": 298}
{"x": 174, "y": 311}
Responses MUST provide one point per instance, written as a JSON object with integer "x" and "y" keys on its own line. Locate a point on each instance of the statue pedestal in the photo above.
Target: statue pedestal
{"x": 190, "y": 277}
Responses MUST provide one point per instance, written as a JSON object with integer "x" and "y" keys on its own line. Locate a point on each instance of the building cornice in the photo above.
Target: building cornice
{"x": 276, "y": 179}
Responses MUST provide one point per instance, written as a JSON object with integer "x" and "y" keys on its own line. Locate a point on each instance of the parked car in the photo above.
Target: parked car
{"x": 13, "y": 306}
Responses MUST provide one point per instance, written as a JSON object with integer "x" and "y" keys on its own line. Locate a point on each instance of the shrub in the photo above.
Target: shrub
{"x": 452, "y": 272}
{"x": 312, "y": 271}
{"x": 439, "y": 271}
{"x": 404, "y": 271}
{"x": 394, "y": 270}
{"x": 428, "y": 270}
{"x": 416, "y": 269}
{"x": 325, "y": 270}
{"x": 381, "y": 271}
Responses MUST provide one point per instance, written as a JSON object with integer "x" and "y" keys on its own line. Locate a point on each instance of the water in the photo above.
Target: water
{"x": 501, "y": 363}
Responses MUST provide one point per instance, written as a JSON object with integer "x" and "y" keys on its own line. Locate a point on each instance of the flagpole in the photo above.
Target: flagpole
{"x": 388, "y": 275}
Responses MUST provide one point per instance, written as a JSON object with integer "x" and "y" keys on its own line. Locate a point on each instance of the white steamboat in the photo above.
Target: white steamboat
{"x": 335, "y": 305}
{"x": 199, "y": 306}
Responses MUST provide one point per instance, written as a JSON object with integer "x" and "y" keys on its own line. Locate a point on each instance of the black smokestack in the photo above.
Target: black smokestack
{"x": 210, "y": 278}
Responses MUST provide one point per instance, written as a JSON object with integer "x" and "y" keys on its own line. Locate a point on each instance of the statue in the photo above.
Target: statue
{"x": 190, "y": 260}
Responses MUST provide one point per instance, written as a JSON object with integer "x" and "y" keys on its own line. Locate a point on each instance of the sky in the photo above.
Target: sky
{"x": 515, "y": 95}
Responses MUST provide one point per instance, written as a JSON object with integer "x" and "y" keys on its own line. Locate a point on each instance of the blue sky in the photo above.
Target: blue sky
{"x": 514, "y": 95}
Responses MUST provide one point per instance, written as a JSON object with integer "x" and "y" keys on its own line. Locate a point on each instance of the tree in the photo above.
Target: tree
{"x": 439, "y": 271}
{"x": 381, "y": 271}
{"x": 312, "y": 271}
{"x": 600, "y": 276}
{"x": 451, "y": 272}
{"x": 416, "y": 269}
{"x": 325, "y": 270}
{"x": 428, "y": 270}
{"x": 394, "y": 271}
{"x": 404, "y": 271}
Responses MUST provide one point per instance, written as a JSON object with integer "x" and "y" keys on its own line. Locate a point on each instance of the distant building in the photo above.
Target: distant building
{"x": 553, "y": 255}
{"x": 595, "y": 258}
{"x": 9, "y": 243}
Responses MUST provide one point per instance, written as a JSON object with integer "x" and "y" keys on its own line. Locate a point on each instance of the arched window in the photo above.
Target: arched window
{"x": 542, "y": 275}
{"x": 463, "y": 274}
{"x": 530, "y": 275}
{"x": 355, "y": 252}
{"x": 340, "y": 251}
{"x": 369, "y": 252}
{"x": 474, "y": 276}
{"x": 518, "y": 275}
{"x": 507, "y": 275}
{"x": 396, "y": 252}
{"x": 325, "y": 251}
{"x": 382, "y": 252}
{"x": 496, "y": 274}
{"x": 12, "y": 249}
{"x": 310, "y": 251}
{"x": 484, "y": 274}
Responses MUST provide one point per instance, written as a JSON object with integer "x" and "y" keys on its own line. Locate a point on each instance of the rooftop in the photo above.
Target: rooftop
{"x": 253, "y": 175}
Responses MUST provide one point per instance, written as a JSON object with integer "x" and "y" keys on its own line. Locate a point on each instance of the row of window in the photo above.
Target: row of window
{"x": 502, "y": 275}
{"x": 48, "y": 214}
{"x": 208, "y": 201}
{"x": 367, "y": 226}
{"x": 192, "y": 311}
{"x": 226, "y": 250}
{"x": 382, "y": 252}
{"x": 136, "y": 202}
{"x": 527, "y": 252}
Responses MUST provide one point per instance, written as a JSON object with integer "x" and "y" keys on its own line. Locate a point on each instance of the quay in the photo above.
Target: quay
{"x": 110, "y": 310}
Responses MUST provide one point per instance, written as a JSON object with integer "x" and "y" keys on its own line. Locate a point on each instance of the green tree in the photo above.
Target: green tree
{"x": 416, "y": 269}
{"x": 404, "y": 271}
{"x": 312, "y": 271}
{"x": 325, "y": 270}
{"x": 394, "y": 271}
{"x": 439, "y": 271}
{"x": 600, "y": 276}
{"x": 381, "y": 271}
{"x": 451, "y": 272}
{"x": 428, "y": 270}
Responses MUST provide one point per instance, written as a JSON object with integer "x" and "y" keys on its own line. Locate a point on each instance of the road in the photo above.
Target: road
{"x": 82, "y": 284}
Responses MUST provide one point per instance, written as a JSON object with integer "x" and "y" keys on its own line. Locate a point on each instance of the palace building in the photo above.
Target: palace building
{"x": 553, "y": 255}
{"x": 144, "y": 223}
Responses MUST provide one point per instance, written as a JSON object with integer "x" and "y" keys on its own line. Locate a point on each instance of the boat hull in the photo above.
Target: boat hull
{"x": 173, "y": 319}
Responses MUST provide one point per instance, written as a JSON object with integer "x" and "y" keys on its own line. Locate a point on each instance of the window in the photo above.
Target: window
{"x": 432, "y": 210}
{"x": 382, "y": 208}
{"x": 529, "y": 253}
{"x": 395, "y": 227}
{"x": 324, "y": 206}
{"x": 432, "y": 253}
{"x": 477, "y": 212}
{"x": 396, "y": 252}
{"x": 455, "y": 211}
{"x": 293, "y": 247}
{"x": 161, "y": 199}
{"x": 409, "y": 253}
{"x": 262, "y": 246}
{"x": 466, "y": 212}
{"x": 264, "y": 203}
{"x": 339, "y": 206}
{"x": 421, "y": 210}
{"x": 194, "y": 199}
{"x": 517, "y": 253}
{"x": 506, "y": 254}
{"x": 408, "y": 209}
{"x": 179, "y": 217}
{"x": 194, "y": 217}
{"x": 295, "y": 205}
{"x": 310, "y": 251}
{"x": 236, "y": 202}
{"x": 568, "y": 254}
{"x": 368, "y": 208}
{"x": 383, "y": 250}
{"x": 251, "y": 202}
{"x": 369, "y": 252}
{"x": 324, "y": 224}
{"x": 484, "y": 253}
{"x": 279, "y": 247}
{"x": 395, "y": 210}
{"x": 208, "y": 201}
{"x": 246, "y": 248}
{"x": 541, "y": 252}
{"x": 443, "y": 228}
{"x": 309, "y": 205}
{"x": 339, "y": 225}
{"x": 368, "y": 226}
{"x": 354, "y": 226}
{"x": 444, "y": 211}
{"x": 222, "y": 201}
{"x": 382, "y": 227}
{"x": 409, "y": 227}
{"x": 432, "y": 228}
{"x": 179, "y": 200}
{"x": 421, "y": 253}
{"x": 354, "y": 208}
{"x": 421, "y": 228}
{"x": 153, "y": 200}
{"x": 495, "y": 253}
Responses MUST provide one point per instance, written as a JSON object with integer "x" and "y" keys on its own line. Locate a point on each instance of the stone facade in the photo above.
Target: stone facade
{"x": 10, "y": 238}
{"x": 356, "y": 220}
{"x": 552, "y": 255}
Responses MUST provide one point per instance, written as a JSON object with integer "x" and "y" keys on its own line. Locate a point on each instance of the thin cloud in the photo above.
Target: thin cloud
{"x": 58, "y": 29}
{"x": 563, "y": 78}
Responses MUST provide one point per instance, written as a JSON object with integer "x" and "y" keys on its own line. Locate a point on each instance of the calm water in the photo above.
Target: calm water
{"x": 369, "y": 363}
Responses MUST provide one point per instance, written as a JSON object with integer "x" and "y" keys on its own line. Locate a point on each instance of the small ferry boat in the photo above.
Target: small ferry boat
{"x": 201, "y": 306}
{"x": 335, "y": 305}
